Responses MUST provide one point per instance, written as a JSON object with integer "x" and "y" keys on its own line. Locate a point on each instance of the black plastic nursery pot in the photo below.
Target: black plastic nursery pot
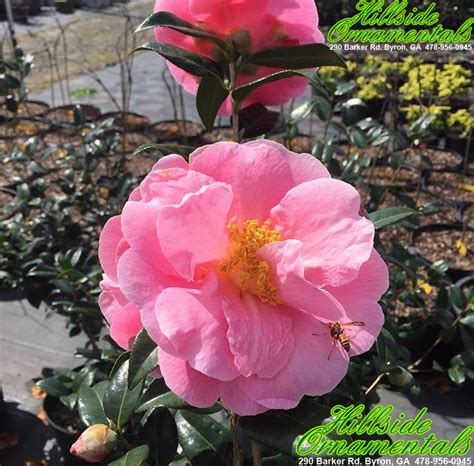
{"x": 449, "y": 186}
{"x": 65, "y": 113}
{"x": 436, "y": 242}
{"x": 31, "y": 441}
{"x": 125, "y": 121}
{"x": 442, "y": 160}
{"x": 26, "y": 109}
{"x": 454, "y": 142}
{"x": 130, "y": 140}
{"x": 221, "y": 133}
{"x": 65, "y": 435}
{"x": 176, "y": 131}
{"x": 375, "y": 108}
{"x": 22, "y": 128}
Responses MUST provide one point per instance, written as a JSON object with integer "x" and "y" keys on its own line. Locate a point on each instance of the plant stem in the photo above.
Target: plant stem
{"x": 374, "y": 383}
{"x": 256, "y": 453}
{"x": 235, "y": 105}
{"x": 439, "y": 340}
{"x": 236, "y": 452}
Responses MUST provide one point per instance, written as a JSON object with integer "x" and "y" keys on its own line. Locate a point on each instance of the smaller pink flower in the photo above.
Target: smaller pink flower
{"x": 252, "y": 25}
{"x": 95, "y": 444}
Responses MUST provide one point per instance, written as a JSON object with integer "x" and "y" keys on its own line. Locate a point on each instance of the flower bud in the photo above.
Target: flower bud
{"x": 95, "y": 443}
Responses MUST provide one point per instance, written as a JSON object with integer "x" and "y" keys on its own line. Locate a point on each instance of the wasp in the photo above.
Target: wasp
{"x": 336, "y": 330}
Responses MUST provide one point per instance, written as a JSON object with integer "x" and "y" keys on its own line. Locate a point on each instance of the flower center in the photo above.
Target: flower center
{"x": 243, "y": 265}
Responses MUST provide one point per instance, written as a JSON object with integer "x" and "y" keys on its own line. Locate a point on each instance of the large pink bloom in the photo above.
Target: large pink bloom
{"x": 236, "y": 263}
{"x": 254, "y": 24}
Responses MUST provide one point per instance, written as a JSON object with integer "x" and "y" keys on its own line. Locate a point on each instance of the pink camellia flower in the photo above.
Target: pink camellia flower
{"x": 252, "y": 25}
{"x": 95, "y": 444}
{"x": 239, "y": 263}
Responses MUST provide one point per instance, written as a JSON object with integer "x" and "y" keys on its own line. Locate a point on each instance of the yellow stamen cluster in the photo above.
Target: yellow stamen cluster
{"x": 250, "y": 273}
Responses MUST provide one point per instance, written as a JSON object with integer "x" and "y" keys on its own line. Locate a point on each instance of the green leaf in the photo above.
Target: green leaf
{"x": 143, "y": 358}
{"x": 204, "y": 440}
{"x": 159, "y": 395}
{"x": 118, "y": 363}
{"x": 168, "y": 20}
{"x": 164, "y": 149}
{"x": 297, "y": 57}
{"x": 323, "y": 108}
{"x": 241, "y": 93}
{"x": 161, "y": 435}
{"x": 119, "y": 401}
{"x": 210, "y": 96}
{"x": 193, "y": 63}
{"x": 457, "y": 375}
{"x": 458, "y": 298}
{"x": 279, "y": 429}
{"x": 387, "y": 347}
{"x": 468, "y": 319}
{"x": 90, "y": 405}
{"x": 390, "y": 216}
{"x": 400, "y": 377}
{"x": 52, "y": 386}
{"x": 133, "y": 457}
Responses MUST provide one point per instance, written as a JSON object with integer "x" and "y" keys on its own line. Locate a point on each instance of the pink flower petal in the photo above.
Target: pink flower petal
{"x": 359, "y": 299}
{"x": 171, "y": 161}
{"x": 307, "y": 372}
{"x": 193, "y": 322}
{"x": 303, "y": 167}
{"x": 140, "y": 282}
{"x": 194, "y": 387}
{"x": 111, "y": 246}
{"x": 233, "y": 398}
{"x": 287, "y": 264}
{"x": 194, "y": 232}
{"x": 260, "y": 335}
{"x": 323, "y": 215}
{"x": 123, "y": 317}
{"x": 259, "y": 174}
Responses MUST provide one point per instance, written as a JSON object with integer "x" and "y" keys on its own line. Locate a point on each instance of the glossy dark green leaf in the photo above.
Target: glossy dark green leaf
{"x": 159, "y": 395}
{"x": 161, "y": 435}
{"x": 118, "y": 363}
{"x": 204, "y": 440}
{"x": 242, "y": 92}
{"x": 323, "y": 108}
{"x": 210, "y": 96}
{"x": 52, "y": 386}
{"x": 458, "y": 298}
{"x": 400, "y": 377}
{"x": 390, "y": 216}
{"x": 143, "y": 358}
{"x": 168, "y": 20}
{"x": 457, "y": 375}
{"x": 297, "y": 57}
{"x": 164, "y": 149}
{"x": 119, "y": 401}
{"x": 279, "y": 429}
{"x": 193, "y": 63}
{"x": 133, "y": 457}
{"x": 468, "y": 320}
{"x": 90, "y": 404}
{"x": 387, "y": 347}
